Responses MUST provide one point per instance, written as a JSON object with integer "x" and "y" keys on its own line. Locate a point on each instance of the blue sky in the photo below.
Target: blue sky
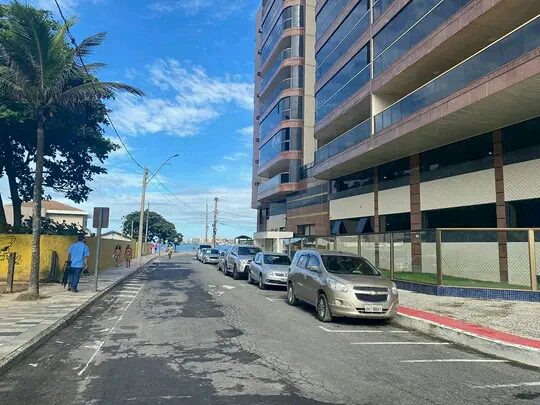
{"x": 194, "y": 61}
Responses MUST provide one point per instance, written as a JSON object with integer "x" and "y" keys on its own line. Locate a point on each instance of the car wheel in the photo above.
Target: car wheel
{"x": 235, "y": 273}
{"x": 262, "y": 286}
{"x": 291, "y": 297}
{"x": 323, "y": 310}
{"x": 250, "y": 280}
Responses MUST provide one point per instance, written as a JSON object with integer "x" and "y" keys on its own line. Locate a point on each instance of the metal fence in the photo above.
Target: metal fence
{"x": 474, "y": 257}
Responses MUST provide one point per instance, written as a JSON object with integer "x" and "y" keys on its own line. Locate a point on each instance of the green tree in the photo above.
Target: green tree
{"x": 37, "y": 67}
{"x": 158, "y": 227}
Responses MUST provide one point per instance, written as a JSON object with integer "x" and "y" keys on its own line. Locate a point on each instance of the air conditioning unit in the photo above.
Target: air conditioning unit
{"x": 257, "y": 140}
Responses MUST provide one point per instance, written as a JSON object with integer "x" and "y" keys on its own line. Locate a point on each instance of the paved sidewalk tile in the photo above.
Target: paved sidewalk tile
{"x": 21, "y": 321}
{"x": 514, "y": 317}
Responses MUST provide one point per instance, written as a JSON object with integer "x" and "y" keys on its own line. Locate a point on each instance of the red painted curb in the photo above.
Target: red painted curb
{"x": 478, "y": 330}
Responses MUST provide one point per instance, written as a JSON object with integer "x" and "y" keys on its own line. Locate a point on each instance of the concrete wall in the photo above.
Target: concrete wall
{"x": 22, "y": 246}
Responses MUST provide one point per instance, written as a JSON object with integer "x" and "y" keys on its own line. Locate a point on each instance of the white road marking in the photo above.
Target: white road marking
{"x": 126, "y": 295}
{"x": 211, "y": 285}
{"x": 400, "y": 343}
{"x": 243, "y": 285}
{"x": 270, "y": 299}
{"x": 33, "y": 365}
{"x": 523, "y": 384}
{"x": 361, "y": 330}
{"x": 228, "y": 287}
{"x": 108, "y": 334}
{"x": 455, "y": 361}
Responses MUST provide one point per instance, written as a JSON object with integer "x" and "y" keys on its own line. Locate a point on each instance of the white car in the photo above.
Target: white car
{"x": 269, "y": 268}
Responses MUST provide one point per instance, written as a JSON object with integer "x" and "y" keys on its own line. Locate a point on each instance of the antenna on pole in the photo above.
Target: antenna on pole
{"x": 214, "y": 225}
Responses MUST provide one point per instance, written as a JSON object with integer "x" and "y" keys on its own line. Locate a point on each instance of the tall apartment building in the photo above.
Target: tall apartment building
{"x": 288, "y": 200}
{"x": 428, "y": 114}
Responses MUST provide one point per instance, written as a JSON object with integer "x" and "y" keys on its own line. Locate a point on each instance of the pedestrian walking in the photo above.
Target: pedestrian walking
{"x": 170, "y": 251}
{"x": 78, "y": 257}
{"x": 128, "y": 254}
{"x": 117, "y": 254}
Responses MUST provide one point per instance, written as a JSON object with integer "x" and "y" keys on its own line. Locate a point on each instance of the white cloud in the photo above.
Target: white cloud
{"x": 236, "y": 156}
{"x": 214, "y": 8}
{"x": 189, "y": 99}
{"x": 246, "y": 131}
{"x": 219, "y": 168}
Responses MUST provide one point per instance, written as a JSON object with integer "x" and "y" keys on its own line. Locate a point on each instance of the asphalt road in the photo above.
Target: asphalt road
{"x": 181, "y": 332}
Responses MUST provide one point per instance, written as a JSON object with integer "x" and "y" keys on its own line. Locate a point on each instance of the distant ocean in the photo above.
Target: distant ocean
{"x": 187, "y": 247}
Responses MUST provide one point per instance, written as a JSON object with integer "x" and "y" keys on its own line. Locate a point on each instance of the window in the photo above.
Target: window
{"x": 473, "y": 216}
{"x": 395, "y": 222}
{"x": 353, "y": 184}
{"x": 248, "y": 251}
{"x": 521, "y": 142}
{"x": 306, "y": 230}
{"x": 328, "y": 14}
{"x": 352, "y": 226}
{"x": 348, "y": 265}
{"x": 523, "y": 214}
{"x": 302, "y": 261}
{"x": 394, "y": 174}
{"x": 457, "y": 158}
{"x": 277, "y": 259}
{"x": 313, "y": 261}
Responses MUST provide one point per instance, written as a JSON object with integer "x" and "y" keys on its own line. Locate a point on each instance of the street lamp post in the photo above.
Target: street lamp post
{"x": 146, "y": 180}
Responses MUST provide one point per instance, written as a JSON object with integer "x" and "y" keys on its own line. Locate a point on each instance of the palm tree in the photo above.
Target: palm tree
{"x": 37, "y": 66}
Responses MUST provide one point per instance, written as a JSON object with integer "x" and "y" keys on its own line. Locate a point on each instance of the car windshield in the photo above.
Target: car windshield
{"x": 349, "y": 265}
{"x": 211, "y": 251}
{"x": 277, "y": 259}
{"x": 205, "y": 247}
{"x": 248, "y": 251}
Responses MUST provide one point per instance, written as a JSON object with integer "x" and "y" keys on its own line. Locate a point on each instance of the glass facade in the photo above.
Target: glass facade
{"x": 296, "y": 50}
{"x": 394, "y": 174}
{"x": 353, "y": 184}
{"x": 269, "y": 19}
{"x": 379, "y": 7}
{"x": 399, "y": 35}
{"x": 294, "y": 80}
{"x": 350, "y": 30}
{"x": 343, "y": 142}
{"x": 292, "y": 17}
{"x": 285, "y": 140}
{"x": 521, "y": 41}
{"x": 349, "y": 80}
{"x": 274, "y": 182}
{"x": 328, "y": 14}
{"x": 521, "y": 142}
{"x": 288, "y": 108}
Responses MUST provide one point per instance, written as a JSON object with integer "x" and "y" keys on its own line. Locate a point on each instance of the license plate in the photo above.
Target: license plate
{"x": 373, "y": 308}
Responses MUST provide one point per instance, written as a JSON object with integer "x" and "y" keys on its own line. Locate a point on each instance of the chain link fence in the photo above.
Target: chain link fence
{"x": 482, "y": 258}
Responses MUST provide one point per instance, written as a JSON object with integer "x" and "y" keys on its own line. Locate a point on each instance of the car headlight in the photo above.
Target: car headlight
{"x": 394, "y": 289}
{"x": 336, "y": 285}
{"x": 270, "y": 274}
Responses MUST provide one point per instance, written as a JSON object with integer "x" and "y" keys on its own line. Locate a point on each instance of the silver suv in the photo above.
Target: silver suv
{"x": 340, "y": 284}
{"x": 238, "y": 260}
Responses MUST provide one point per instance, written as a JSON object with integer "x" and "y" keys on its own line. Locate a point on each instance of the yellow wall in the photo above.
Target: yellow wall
{"x": 22, "y": 245}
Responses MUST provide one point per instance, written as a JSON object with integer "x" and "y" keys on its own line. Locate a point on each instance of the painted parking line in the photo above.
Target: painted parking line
{"x": 455, "y": 361}
{"x": 228, "y": 287}
{"x": 402, "y": 343}
{"x": 361, "y": 330}
{"x": 516, "y": 385}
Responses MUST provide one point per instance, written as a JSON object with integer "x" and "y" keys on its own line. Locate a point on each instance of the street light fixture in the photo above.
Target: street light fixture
{"x": 147, "y": 180}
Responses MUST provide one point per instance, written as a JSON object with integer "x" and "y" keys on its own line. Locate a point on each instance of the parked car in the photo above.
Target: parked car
{"x": 210, "y": 256}
{"x": 269, "y": 268}
{"x": 340, "y": 284}
{"x": 238, "y": 260}
{"x": 200, "y": 248}
{"x": 223, "y": 259}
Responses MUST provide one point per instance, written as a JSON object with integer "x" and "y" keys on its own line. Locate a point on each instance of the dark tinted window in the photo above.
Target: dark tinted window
{"x": 277, "y": 259}
{"x": 362, "y": 182}
{"x": 474, "y": 216}
{"x": 205, "y": 246}
{"x": 394, "y": 174}
{"x": 211, "y": 251}
{"x": 248, "y": 251}
{"x": 302, "y": 261}
{"x": 313, "y": 261}
{"x": 521, "y": 142}
{"x": 349, "y": 265}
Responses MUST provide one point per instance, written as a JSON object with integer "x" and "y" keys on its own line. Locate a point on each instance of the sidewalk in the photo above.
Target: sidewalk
{"x": 24, "y": 324}
{"x": 506, "y": 329}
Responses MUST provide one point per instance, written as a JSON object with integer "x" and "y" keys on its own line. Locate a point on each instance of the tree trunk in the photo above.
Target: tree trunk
{"x": 3, "y": 222}
{"x": 33, "y": 281}
{"x": 15, "y": 198}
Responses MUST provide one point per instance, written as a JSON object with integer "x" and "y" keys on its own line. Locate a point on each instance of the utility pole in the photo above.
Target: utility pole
{"x": 131, "y": 230}
{"x": 214, "y": 226}
{"x": 206, "y": 226}
{"x": 141, "y": 216}
{"x": 147, "y": 216}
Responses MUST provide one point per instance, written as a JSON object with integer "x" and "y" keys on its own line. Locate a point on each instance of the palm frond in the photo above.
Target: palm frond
{"x": 87, "y": 44}
{"x": 93, "y": 90}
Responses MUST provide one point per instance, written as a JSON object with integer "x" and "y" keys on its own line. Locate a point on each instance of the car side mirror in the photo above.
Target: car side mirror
{"x": 314, "y": 268}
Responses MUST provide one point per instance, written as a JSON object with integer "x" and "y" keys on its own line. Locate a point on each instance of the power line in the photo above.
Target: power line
{"x": 74, "y": 42}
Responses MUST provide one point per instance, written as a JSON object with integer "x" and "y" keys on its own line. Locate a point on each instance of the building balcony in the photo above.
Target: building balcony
{"x": 290, "y": 86}
{"x": 288, "y": 58}
{"x": 282, "y": 162}
{"x": 276, "y": 188}
{"x": 496, "y": 87}
{"x": 286, "y": 109}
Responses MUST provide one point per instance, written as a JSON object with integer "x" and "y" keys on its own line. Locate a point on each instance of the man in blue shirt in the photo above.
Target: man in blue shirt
{"x": 78, "y": 256}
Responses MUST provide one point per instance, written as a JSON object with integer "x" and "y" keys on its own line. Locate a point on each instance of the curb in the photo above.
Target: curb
{"x": 13, "y": 358}
{"x": 514, "y": 352}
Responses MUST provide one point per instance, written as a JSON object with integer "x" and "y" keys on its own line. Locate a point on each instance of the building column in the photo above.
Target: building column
{"x": 498, "y": 163}
{"x": 416, "y": 214}
{"x": 376, "y": 225}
